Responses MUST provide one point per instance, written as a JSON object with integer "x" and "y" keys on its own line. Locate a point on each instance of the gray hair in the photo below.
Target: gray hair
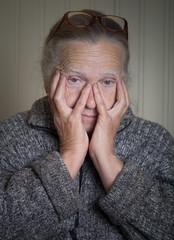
{"x": 54, "y": 43}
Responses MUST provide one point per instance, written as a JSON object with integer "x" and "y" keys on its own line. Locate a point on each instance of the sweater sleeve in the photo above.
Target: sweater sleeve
{"x": 38, "y": 198}
{"x": 141, "y": 201}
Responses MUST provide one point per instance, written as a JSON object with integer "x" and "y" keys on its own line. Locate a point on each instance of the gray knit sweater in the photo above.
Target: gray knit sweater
{"x": 39, "y": 200}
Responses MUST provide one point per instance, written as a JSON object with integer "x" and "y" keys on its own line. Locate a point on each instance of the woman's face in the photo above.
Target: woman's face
{"x": 84, "y": 63}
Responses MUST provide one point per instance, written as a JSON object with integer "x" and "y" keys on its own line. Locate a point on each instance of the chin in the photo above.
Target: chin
{"x": 89, "y": 130}
{"x": 89, "y": 123}
{"x": 89, "y": 127}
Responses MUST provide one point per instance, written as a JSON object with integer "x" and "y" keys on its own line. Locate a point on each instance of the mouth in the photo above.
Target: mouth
{"x": 90, "y": 117}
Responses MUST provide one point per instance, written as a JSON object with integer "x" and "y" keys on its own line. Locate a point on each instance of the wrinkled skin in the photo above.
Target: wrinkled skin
{"x": 88, "y": 97}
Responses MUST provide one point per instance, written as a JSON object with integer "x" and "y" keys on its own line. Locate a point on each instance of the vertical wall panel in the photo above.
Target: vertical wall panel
{"x": 140, "y": 60}
{"x": 166, "y": 50}
{"x": 117, "y": 7}
{"x": 53, "y": 11}
{"x": 153, "y": 60}
{"x": 104, "y": 6}
{"x": 30, "y": 86}
{"x": 77, "y": 5}
{"x": 8, "y": 56}
{"x": 135, "y": 25}
{"x": 171, "y": 70}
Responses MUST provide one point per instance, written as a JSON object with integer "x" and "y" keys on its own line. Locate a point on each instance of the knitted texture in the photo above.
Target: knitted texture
{"x": 39, "y": 200}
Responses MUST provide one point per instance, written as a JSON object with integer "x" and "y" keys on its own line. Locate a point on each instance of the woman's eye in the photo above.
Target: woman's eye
{"x": 108, "y": 82}
{"x": 74, "y": 80}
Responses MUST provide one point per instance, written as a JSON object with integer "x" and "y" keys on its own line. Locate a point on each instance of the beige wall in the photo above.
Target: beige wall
{"x": 25, "y": 23}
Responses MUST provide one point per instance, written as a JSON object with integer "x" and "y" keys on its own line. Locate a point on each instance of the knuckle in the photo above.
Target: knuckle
{"x": 72, "y": 119}
{"x": 56, "y": 99}
{"x": 124, "y": 104}
{"x": 107, "y": 118}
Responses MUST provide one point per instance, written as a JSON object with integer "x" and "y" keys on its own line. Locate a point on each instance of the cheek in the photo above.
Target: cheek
{"x": 109, "y": 98}
{"x": 71, "y": 96}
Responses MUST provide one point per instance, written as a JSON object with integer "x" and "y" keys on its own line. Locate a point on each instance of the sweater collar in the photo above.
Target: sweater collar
{"x": 40, "y": 116}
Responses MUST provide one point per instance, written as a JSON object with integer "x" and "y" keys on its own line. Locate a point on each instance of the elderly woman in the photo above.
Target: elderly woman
{"x": 79, "y": 164}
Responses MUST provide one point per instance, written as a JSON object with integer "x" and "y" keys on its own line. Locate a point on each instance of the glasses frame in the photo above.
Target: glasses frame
{"x": 65, "y": 18}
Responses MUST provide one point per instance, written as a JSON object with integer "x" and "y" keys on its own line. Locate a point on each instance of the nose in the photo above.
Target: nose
{"x": 91, "y": 104}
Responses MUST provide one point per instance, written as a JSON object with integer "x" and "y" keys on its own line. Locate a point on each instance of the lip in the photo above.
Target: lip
{"x": 89, "y": 116}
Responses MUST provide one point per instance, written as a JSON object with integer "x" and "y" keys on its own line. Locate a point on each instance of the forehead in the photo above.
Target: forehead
{"x": 101, "y": 55}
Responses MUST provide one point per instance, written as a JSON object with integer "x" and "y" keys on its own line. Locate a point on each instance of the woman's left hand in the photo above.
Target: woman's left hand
{"x": 101, "y": 148}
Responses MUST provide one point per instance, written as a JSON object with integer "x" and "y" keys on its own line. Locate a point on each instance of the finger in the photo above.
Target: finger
{"x": 101, "y": 108}
{"x": 125, "y": 102}
{"x": 60, "y": 90}
{"x": 80, "y": 105}
{"x": 120, "y": 92}
{"x": 120, "y": 104}
{"x": 59, "y": 97}
{"x": 52, "y": 90}
{"x": 122, "y": 98}
{"x": 126, "y": 94}
{"x": 57, "y": 93}
{"x": 54, "y": 84}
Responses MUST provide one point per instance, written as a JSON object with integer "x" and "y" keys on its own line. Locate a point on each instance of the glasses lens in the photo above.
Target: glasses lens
{"x": 79, "y": 19}
{"x": 113, "y": 23}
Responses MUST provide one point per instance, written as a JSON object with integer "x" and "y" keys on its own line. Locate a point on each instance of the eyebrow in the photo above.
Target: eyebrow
{"x": 73, "y": 70}
{"x": 78, "y": 72}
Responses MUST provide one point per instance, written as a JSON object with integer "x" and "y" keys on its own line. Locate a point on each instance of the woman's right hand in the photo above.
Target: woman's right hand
{"x": 74, "y": 140}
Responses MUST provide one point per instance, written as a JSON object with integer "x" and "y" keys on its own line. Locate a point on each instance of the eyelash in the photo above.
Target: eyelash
{"x": 71, "y": 79}
{"x": 108, "y": 81}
